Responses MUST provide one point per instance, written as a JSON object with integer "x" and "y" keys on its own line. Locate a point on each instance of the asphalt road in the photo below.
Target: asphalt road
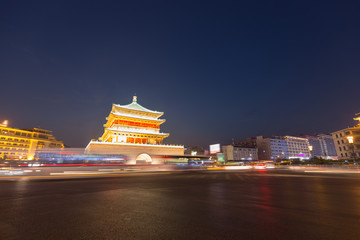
{"x": 184, "y": 205}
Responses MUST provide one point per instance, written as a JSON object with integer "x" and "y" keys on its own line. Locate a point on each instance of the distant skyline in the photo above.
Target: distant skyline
{"x": 219, "y": 70}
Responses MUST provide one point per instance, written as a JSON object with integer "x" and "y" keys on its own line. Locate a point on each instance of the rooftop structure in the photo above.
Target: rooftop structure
{"x": 248, "y": 143}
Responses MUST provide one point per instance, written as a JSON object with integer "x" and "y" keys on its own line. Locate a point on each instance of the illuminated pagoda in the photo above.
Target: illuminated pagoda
{"x": 133, "y": 130}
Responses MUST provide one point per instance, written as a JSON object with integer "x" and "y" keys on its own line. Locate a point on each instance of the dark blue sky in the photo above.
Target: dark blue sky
{"x": 218, "y": 69}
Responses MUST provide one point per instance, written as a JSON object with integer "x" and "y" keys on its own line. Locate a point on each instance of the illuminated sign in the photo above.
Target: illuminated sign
{"x": 214, "y": 148}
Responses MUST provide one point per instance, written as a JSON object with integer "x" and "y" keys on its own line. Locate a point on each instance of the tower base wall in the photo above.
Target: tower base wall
{"x": 134, "y": 150}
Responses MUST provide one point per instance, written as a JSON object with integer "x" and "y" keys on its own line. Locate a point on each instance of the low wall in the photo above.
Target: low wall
{"x": 133, "y": 150}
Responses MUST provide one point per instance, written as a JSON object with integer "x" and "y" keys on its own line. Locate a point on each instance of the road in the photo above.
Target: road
{"x": 257, "y": 204}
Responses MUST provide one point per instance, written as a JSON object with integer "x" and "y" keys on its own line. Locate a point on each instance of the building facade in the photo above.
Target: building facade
{"x": 328, "y": 145}
{"x": 283, "y": 147}
{"x": 321, "y": 146}
{"x": 347, "y": 141}
{"x": 236, "y": 153}
{"x": 195, "y": 150}
{"x": 134, "y": 131}
{"x": 22, "y": 144}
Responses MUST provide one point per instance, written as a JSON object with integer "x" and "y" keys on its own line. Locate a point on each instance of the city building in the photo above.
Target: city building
{"x": 195, "y": 150}
{"x": 321, "y": 146}
{"x": 22, "y": 144}
{"x": 248, "y": 143}
{"x": 283, "y": 147}
{"x": 328, "y": 145}
{"x": 237, "y": 153}
{"x": 347, "y": 141}
{"x": 134, "y": 131}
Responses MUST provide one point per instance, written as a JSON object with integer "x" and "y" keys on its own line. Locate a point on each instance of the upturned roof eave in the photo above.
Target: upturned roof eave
{"x": 138, "y": 117}
{"x": 139, "y": 132}
{"x": 138, "y": 108}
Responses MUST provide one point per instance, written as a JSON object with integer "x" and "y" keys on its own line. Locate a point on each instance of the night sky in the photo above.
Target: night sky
{"x": 218, "y": 69}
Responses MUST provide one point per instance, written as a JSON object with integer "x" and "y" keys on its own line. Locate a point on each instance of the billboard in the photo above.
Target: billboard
{"x": 215, "y": 148}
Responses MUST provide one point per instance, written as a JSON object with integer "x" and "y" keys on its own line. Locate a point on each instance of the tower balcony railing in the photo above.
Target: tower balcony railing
{"x": 126, "y": 143}
{"x": 136, "y": 130}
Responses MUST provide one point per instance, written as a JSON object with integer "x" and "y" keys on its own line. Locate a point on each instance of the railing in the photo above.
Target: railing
{"x": 137, "y": 130}
{"x": 167, "y": 145}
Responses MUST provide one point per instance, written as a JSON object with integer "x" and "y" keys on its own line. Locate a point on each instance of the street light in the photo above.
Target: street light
{"x": 351, "y": 141}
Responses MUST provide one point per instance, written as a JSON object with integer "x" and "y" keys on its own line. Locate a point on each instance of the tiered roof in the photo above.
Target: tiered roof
{"x": 137, "y": 110}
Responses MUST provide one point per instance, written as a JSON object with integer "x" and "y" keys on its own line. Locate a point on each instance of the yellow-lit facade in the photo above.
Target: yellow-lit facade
{"x": 347, "y": 141}
{"x": 22, "y": 144}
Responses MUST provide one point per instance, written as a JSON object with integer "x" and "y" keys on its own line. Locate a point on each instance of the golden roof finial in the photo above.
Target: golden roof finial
{"x": 135, "y": 99}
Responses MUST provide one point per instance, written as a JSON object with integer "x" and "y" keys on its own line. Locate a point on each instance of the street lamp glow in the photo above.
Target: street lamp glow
{"x": 350, "y": 139}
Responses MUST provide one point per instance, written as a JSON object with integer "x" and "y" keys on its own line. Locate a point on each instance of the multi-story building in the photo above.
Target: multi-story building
{"x": 315, "y": 146}
{"x": 347, "y": 141}
{"x": 321, "y": 146}
{"x": 284, "y": 147}
{"x": 22, "y": 144}
{"x": 134, "y": 131}
{"x": 194, "y": 150}
{"x": 236, "y": 153}
{"x": 328, "y": 145}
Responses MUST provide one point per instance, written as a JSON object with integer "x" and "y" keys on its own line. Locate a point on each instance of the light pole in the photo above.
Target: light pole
{"x": 351, "y": 142}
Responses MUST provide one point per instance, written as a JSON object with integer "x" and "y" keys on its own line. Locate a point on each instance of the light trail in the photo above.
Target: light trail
{"x": 96, "y": 174}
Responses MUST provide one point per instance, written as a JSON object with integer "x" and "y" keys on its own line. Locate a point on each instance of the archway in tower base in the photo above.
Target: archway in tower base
{"x": 143, "y": 159}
